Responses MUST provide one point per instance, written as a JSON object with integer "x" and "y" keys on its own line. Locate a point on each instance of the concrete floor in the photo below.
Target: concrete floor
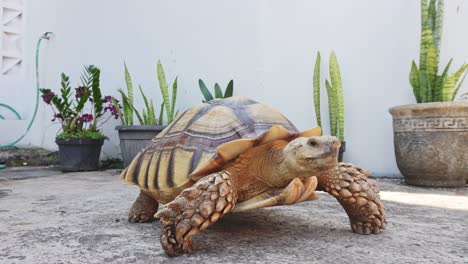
{"x": 50, "y": 217}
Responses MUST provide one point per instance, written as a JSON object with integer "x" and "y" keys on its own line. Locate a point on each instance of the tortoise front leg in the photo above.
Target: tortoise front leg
{"x": 359, "y": 197}
{"x": 297, "y": 191}
{"x": 195, "y": 209}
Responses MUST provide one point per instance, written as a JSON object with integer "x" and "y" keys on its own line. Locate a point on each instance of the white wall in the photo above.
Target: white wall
{"x": 268, "y": 47}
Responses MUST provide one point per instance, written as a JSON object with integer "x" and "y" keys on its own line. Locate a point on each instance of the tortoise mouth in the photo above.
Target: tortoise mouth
{"x": 333, "y": 152}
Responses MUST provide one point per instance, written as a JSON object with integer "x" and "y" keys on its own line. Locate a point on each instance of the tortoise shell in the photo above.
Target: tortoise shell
{"x": 164, "y": 166}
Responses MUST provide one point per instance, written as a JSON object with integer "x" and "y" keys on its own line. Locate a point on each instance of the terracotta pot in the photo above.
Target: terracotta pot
{"x": 431, "y": 142}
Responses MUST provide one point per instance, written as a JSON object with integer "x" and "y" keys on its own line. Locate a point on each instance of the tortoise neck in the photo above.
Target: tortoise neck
{"x": 263, "y": 163}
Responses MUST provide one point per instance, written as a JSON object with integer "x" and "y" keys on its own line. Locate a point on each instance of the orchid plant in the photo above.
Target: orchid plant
{"x": 82, "y": 114}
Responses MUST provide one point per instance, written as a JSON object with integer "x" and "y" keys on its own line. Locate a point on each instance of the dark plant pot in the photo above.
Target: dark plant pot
{"x": 135, "y": 138}
{"x": 430, "y": 143}
{"x": 79, "y": 154}
{"x": 341, "y": 151}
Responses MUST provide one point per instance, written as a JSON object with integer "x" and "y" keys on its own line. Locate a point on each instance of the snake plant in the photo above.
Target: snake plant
{"x": 217, "y": 89}
{"x": 428, "y": 85}
{"x": 335, "y": 96}
{"x": 169, "y": 104}
{"x": 148, "y": 115}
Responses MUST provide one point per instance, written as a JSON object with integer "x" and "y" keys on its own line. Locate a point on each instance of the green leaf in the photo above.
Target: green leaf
{"x": 440, "y": 83}
{"x": 316, "y": 85}
{"x": 206, "y": 93}
{"x": 426, "y": 35}
{"x": 218, "y": 92}
{"x": 431, "y": 12}
{"x": 82, "y": 101}
{"x": 128, "y": 81}
{"x": 431, "y": 72}
{"x": 148, "y": 111}
{"x": 459, "y": 85}
{"x": 332, "y": 108}
{"x": 141, "y": 120}
{"x": 335, "y": 77}
{"x": 145, "y": 117}
{"x": 229, "y": 89}
{"x": 449, "y": 89}
{"x": 174, "y": 97}
{"x": 414, "y": 81}
{"x": 98, "y": 101}
{"x": 438, "y": 27}
{"x": 164, "y": 91}
{"x": 424, "y": 86}
{"x": 426, "y": 44}
{"x": 65, "y": 92}
{"x": 125, "y": 105}
{"x": 161, "y": 116}
{"x": 152, "y": 114}
{"x": 145, "y": 100}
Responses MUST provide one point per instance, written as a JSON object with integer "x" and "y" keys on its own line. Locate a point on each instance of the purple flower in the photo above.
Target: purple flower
{"x": 111, "y": 107}
{"x": 108, "y": 99}
{"x": 113, "y": 111}
{"x": 58, "y": 116}
{"x": 85, "y": 118}
{"x": 47, "y": 97}
{"x": 80, "y": 91}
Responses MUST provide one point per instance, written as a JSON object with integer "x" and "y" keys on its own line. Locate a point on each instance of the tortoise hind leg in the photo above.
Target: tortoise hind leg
{"x": 143, "y": 209}
{"x": 195, "y": 209}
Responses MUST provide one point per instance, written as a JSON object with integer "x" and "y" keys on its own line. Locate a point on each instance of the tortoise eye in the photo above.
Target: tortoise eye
{"x": 313, "y": 143}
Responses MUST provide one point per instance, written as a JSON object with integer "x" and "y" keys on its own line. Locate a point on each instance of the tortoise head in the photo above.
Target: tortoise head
{"x": 309, "y": 155}
{"x": 304, "y": 153}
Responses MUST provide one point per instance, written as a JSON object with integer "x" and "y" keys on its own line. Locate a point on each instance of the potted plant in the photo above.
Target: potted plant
{"x": 430, "y": 137}
{"x": 218, "y": 93}
{"x": 81, "y": 116}
{"x": 134, "y": 136}
{"x": 335, "y": 100}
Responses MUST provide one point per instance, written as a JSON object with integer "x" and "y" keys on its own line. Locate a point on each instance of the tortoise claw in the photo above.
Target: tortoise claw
{"x": 143, "y": 209}
{"x": 140, "y": 218}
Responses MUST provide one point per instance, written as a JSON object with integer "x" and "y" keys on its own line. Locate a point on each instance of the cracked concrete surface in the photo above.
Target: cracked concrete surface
{"x": 81, "y": 218}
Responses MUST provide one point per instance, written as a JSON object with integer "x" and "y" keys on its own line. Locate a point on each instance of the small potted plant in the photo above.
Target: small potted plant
{"x": 218, "y": 93}
{"x": 81, "y": 115}
{"x": 431, "y": 137}
{"x": 135, "y": 135}
{"x": 335, "y": 100}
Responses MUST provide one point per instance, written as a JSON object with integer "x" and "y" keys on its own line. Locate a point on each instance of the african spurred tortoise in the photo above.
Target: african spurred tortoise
{"x": 237, "y": 154}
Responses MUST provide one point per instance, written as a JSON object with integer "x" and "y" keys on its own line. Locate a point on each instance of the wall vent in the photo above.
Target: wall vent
{"x": 11, "y": 33}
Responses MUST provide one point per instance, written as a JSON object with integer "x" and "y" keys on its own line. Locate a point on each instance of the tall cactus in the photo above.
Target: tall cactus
{"x": 334, "y": 89}
{"x": 427, "y": 85}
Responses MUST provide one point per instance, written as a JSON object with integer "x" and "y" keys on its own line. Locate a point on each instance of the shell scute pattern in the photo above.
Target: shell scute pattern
{"x": 191, "y": 141}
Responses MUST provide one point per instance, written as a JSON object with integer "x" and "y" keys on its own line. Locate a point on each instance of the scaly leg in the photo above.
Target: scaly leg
{"x": 358, "y": 195}
{"x": 143, "y": 209}
{"x": 297, "y": 191}
{"x": 195, "y": 209}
